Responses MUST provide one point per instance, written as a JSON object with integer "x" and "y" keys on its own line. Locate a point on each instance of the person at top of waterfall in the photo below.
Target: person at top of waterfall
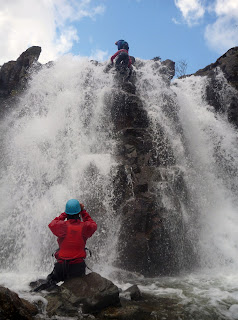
{"x": 123, "y": 59}
{"x": 72, "y": 235}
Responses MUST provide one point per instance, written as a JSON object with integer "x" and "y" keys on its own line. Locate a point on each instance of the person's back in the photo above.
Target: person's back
{"x": 123, "y": 61}
{"x": 72, "y": 234}
{"x": 73, "y": 244}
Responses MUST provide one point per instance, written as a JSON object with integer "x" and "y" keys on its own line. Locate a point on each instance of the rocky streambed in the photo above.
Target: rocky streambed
{"x": 89, "y": 297}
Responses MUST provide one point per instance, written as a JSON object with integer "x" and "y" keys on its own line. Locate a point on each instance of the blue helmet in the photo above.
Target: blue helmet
{"x": 72, "y": 207}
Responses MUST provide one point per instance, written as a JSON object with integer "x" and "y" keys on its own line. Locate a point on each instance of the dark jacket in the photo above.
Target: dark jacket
{"x": 117, "y": 53}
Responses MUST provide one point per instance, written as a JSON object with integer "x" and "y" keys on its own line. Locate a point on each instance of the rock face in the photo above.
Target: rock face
{"x": 168, "y": 68}
{"x": 14, "y": 308}
{"x": 223, "y": 97}
{"x": 228, "y": 64}
{"x": 91, "y": 293}
{"x": 145, "y": 242}
{"x": 13, "y": 74}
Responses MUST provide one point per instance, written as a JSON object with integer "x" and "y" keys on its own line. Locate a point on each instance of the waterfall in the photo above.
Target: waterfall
{"x": 193, "y": 140}
{"x": 211, "y": 172}
{"x": 57, "y": 144}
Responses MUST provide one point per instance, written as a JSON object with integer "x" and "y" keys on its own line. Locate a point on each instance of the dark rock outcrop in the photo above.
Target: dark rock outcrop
{"x": 14, "y": 308}
{"x": 13, "y": 74}
{"x": 228, "y": 63}
{"x": 90, "y": 294}
{"x": 168, "y": 68}
{"x": 223, "y": 95}
{"x": 165, "y": 68}
{"x": 146, "y": 243}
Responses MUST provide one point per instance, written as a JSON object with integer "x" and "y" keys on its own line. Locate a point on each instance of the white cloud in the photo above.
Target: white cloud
{"x": 220, "y": 35}
{"x": 226, "y": 7}
{"x": 192, "y": 10}
{"x": 175, "y": 21}
{"x": 99, "y": 55}
{"x": 48, "y": 23}
{"x": 223, "y": 33}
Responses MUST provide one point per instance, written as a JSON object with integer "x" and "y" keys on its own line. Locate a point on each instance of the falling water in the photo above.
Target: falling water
{"x": 212, "y": 146}
{"x": 204, "y": 147}
{"x": 57, "y": 144}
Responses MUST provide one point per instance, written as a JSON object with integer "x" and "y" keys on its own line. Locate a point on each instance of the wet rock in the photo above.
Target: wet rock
{"x": 128, "y": 87}
{"x": 127, "y": 313}
{"x": 146, "y": 308}
{"x": 134, "y": 292}
{"x": 133, "y": 60}
{"x": 14, "y": 308}
{"x": 128, "y": 111}
{"x": 233, "y": 110}
{"x": 165, "y": 68}
{"x": 143, "y": 242}
{"x": 146, "y": 174}
{"x": 222, "y": 93}
{"x": 228, "y": 63}
{"x": 13, "y": 74}
{"x": 90, "y": 293}
{"x": 169, "y": 68}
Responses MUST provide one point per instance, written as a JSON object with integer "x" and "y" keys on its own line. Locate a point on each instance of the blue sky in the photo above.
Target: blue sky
{"x": 150, "y": 31}
{"x": 198, "y": 31}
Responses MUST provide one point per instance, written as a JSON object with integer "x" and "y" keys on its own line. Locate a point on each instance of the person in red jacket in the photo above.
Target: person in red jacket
{"x": 72, "y": 235}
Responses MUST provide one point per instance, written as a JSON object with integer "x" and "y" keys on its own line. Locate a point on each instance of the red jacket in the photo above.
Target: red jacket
{"x": 72, "y": 236}
{"x": 119, "y": 51}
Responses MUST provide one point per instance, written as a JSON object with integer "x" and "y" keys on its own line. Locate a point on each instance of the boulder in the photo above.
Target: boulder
{"x": 134, "y": 292}
{"x": 13, "y": 74}
{"x": 14, "y": 308}
{"x": 90, "y": 294}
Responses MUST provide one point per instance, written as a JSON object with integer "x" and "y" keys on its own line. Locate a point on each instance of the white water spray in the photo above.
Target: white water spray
{"x": 212, "y": 145}
{"x": 57, "y": 145}
{"x": 204, "y": 145}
